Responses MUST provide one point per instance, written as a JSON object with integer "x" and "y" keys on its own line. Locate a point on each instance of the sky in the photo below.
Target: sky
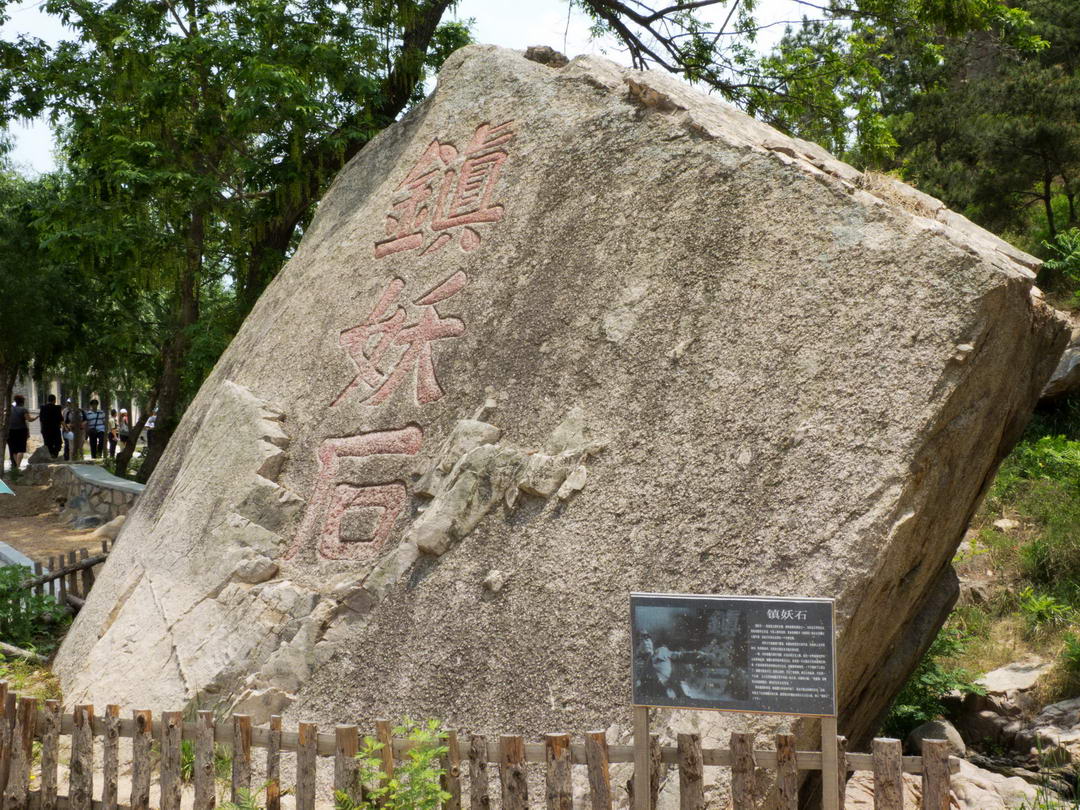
{"x": 529, "y": 22}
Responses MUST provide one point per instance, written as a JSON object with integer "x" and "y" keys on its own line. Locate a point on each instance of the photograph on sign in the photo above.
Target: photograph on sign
{"x": 733, "y": 653}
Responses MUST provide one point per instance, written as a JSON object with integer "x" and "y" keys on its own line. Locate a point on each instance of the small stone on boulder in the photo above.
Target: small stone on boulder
{"x": 255, "y": 570}
{"x": 546, "y": 55}
{"x": 495, "y": 581}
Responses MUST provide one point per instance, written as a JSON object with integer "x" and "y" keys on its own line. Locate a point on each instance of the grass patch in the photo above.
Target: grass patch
{"x": 29, "y": 680}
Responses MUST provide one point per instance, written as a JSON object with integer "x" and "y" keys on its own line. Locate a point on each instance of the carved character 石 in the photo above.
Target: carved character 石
{"x": 336, "y": 499}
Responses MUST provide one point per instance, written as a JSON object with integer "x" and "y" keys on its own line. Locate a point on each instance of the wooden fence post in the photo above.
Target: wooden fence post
{"x": 140, "y": 760}
{"x": 385, "y": 735}
{"x": 888, "y": 775}
{"x": 479, "y": 787}
{"x": 598, "y": 758}
{"x": 691, "y": 773}
{"x": 241, "y": 755}
{"x": 17, "y": 790}
{"x": 172, "y": 728}
{"x": 273, "y": 765}
{"x": 87, "y": 574}
{"x": 451, "y": 780}
{"x": 39, "y": 589}
{"x": 346, "y": 744}
{"x": 73, "y": 577}
{"x": 515, "y": 785}
{"x": 50, "y": 753}
{"x": 935, "y": 774}
{"x": 742, "y": 771}
{"x": 7, "y": 727}
{"x": 560, "y": 792}
{"x": 787, "y": 773}
{"x": 81, "y": 781}
{"x": 110, "y": 759}
{"x": 62, "y": 581}
{"x": 205, "y": 795}
{"x": 307, "y": 747}
{"x": 657, "y": 768}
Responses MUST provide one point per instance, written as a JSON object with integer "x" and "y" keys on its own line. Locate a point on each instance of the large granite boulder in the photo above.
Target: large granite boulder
{"x": 577, "y": 331}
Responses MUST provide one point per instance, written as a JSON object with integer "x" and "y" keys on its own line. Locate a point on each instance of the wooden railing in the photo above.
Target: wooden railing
{"x": 467, "y": 778}
{"x": 68, "y": 580}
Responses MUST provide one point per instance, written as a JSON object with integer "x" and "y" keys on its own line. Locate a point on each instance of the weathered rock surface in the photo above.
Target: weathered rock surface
{"x": 935, "y": 730}
{"x": 973, "y": 788}
{"x": 583, "y": 325}
{"x": 1066, "y": 376}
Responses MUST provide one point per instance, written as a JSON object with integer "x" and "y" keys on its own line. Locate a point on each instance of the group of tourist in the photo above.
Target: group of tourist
{"x": 69, "y": 428}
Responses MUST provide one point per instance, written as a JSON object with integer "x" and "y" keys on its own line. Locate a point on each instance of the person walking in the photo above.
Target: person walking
{"x": 95, "y": 429}
{"x": 74, "y": 432}
{"x": 113, "y": 433}
{"x": 18, "y": 430}
{"x": 124, "y": 428}
{"x": 52, "y": 425}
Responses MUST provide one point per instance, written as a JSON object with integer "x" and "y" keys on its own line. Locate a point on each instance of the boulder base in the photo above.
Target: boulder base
{"x": 589, "y": 329}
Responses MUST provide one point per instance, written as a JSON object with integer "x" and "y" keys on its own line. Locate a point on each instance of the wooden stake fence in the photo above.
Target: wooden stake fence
{"x": 68, "y": 576}
{"x": 23, "y": 720}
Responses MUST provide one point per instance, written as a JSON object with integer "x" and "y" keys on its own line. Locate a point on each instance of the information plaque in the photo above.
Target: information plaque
{"x": 734, "y": 653}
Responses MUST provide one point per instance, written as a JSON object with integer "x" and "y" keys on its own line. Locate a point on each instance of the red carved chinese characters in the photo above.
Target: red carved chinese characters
{"x": 329, "y": 518}
{"x": 400, "y": 352}
{"x": 447, "y": 189}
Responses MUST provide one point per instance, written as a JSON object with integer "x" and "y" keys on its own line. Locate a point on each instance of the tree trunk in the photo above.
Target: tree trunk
{"x": 123, "y": 458}
{"x": 1048, "y": 203}
{"x": 176, "y": 348}
{"x": 7, "y": 384}
{"x": 267, "y": 252}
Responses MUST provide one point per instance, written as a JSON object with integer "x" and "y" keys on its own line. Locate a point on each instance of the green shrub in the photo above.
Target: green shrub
{"x": 415, "y": 784}
{"x": 921, "y": 698}
{"x": 1042, "y": 613}
{"x": 1064, "y": 261}
{"x": 1070, "y": 654}
{"x": 1042, "y": 458}
{"x": 249, "y": 800}
{"x": 26, "y": 619}
{"x": 222, "y": 761}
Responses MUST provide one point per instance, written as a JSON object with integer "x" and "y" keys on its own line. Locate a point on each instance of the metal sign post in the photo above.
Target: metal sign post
{"x": 642, "y": 775}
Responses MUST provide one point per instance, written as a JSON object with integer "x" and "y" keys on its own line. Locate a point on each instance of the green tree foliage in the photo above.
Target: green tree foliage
{"x": 198, "y": 136}
{"x": 39, "y": 304}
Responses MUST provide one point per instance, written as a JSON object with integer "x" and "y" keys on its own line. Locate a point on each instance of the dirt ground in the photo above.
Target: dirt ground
{"x": 28, "y": 523}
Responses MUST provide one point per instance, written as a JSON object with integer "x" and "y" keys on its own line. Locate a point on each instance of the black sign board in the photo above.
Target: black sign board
{"x": 734, "y": 653}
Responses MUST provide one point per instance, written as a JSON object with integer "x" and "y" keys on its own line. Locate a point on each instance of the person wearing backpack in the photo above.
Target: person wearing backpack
{"x": 95, "y": 429}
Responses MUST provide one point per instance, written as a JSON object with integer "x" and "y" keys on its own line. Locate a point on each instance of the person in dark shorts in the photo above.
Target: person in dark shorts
{"x": 96, "y": 424}
{"x": 18, "y": 430}
{"x": 52, "y": 421}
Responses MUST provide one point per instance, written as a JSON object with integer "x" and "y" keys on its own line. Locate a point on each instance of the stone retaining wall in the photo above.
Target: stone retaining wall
{"x": 104, "y": 494}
